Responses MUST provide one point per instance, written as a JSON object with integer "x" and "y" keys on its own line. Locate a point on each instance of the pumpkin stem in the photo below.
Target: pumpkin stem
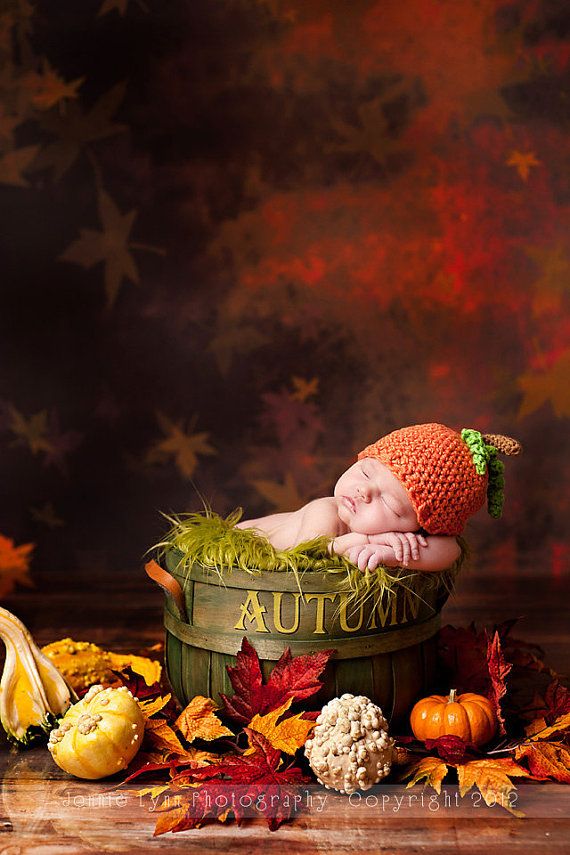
{"x": 452, "y": 695}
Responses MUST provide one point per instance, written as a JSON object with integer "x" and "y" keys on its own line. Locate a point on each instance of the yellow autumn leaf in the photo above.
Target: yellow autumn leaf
{"x": 492, "y": 778}
{"x": 198, "y": 721}
{"x": 154, "y": 705}
{"x": 183, "y": 446}
{"x": 159, "y": 737}
{"x": 14, "y": 564}
{"x": 45, "y": 89}
{"x": 522, "y": 162}
{"x": 289, "y": 735}
{"x": 32, "y": 431}
{"x": 149, "y": 669}
{"x": 431, "y": 769}
{"x": 548, "y": 386}
{"x": 304, "y": 389}
{"x": 561, "y": 723}
{"x": 110, "y": 245}
{"x": 283, "y": 496}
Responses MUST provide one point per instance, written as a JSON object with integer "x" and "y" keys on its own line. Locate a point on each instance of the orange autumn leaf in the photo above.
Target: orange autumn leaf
{"x": 14, "y": 564}
{"x": 151, "y": 707}
{"x": 431, "y": 769}
{"x": 159, "y": 737}
{"x": 561, "y": 723}
{"x": 549, "y": 386}
{"x": 546, "y": 759}
{"x": 289, "y": 735}
{"x": 522, "y": 162}
{"x": 282, "y": 496}
{"x": 198, "y": 721}
{"x": 46, "y": 89}
{"x": 492, "y": 778}
{"x": 166, "y": 820}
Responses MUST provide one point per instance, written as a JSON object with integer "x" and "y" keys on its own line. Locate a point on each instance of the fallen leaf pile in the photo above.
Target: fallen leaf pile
{"x": 532, "y": 707}
{"x": 256, "y": 774}
{"x": 243, "y": 763}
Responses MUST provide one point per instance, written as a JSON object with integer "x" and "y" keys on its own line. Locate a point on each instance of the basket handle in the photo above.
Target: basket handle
{"x": 170, "y": 586}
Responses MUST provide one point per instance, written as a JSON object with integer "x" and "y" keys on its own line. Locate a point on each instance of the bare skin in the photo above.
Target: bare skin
{"x": 370, "y": 519}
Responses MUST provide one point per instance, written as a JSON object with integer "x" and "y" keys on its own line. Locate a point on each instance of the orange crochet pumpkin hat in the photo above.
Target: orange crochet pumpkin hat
{"x": 446, "y": 474}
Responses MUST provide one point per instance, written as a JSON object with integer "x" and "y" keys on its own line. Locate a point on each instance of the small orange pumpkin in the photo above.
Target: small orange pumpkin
{"x": 469, "y": 716}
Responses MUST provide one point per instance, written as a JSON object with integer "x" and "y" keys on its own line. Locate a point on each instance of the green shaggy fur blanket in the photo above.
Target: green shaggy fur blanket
{"x": 215, "y": 544}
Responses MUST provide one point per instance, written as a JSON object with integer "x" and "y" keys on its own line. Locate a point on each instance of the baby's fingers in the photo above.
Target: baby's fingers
{"x": 413, "y": 544}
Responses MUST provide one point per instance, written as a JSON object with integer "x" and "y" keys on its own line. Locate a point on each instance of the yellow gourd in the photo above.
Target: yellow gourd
{"x": 100, "y": 735}
{"x": 32, "y": 691}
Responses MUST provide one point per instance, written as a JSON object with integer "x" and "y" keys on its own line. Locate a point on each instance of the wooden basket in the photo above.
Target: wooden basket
{"x": 385, "y": 652}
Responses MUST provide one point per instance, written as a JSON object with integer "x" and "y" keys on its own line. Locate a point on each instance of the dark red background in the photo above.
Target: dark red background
{"x": 348, "y": 217}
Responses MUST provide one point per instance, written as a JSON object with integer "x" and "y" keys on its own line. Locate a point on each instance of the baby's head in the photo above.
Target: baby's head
{"x": 432, "y": 476}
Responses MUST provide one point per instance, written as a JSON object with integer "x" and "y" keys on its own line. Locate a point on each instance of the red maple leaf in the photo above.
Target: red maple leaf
{"x": 452, "y": 749}
{"x": 498, "y": 670}
{"x": 292, "y": 677}
{"x": 245, "y": 784}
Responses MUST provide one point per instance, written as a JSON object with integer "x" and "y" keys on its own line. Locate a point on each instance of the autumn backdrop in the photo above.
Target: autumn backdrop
{"x": 243, "y": 238}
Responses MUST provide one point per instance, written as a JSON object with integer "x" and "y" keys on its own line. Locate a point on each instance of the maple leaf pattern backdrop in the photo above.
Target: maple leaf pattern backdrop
{"x": 244, "y": 238}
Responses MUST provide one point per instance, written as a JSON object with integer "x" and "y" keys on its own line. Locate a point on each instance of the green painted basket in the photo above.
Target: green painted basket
{"x": 386, "y": 651}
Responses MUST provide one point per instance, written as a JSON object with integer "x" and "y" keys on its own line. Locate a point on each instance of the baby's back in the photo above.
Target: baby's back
{"x": 285, "y": 530}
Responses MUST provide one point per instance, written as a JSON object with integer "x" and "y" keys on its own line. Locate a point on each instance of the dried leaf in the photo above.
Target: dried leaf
{"x": 450, "y": 748}
{"x": 289, "y": 735}
{"x": 154, "y": 705}
{"x": 198, "y": 721}
{"x": 432, "y": 770}
{"x": 159, "y": 737}
{"x": 560, "y": 724}
{"x": 292, "y": 677}
{"x": 546, "y": 760}
{"x": 14, "y": 565}
{"x": 254, "y": 776}
{"x": 498, "y": 671}
{"x": 491, "y": 777}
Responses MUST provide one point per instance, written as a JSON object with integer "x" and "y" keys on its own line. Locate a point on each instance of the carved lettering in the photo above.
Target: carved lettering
{"x": 320, "y": 610}
{"x": 383, "y": 610}
{"x": 343, "y": 616}
{"x": 277, "y": 600}
{"x": 413, "y": 602}
{"x": 253, "y": 611}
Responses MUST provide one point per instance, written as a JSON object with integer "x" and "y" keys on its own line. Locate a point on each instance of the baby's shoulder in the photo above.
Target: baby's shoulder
{"x": 321, "y": 517}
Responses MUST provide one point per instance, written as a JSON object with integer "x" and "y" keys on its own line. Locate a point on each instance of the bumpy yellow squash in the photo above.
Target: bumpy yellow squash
{"x": 100, "y": 735}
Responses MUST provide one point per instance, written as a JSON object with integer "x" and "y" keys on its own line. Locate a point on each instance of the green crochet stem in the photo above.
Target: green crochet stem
{"x": 485, "y": 459}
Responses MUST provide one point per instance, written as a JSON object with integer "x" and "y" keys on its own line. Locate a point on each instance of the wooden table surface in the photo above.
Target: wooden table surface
{"x": 46, "y": 812}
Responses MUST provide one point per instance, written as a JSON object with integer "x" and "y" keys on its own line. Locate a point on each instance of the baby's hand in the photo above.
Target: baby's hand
{"x": 404, "y": 545}
{"x": 368, "y": 556}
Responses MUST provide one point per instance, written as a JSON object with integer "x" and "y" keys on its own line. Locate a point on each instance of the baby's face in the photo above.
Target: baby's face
{"x": 371, "y": 500}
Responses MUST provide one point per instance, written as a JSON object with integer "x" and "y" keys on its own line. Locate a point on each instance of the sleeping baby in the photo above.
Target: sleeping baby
{"x": 404, "y": 501}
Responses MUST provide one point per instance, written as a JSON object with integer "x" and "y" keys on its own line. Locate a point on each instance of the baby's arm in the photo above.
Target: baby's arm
{"x": 395, "y": 549}
{"x": 284, "y": 531}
